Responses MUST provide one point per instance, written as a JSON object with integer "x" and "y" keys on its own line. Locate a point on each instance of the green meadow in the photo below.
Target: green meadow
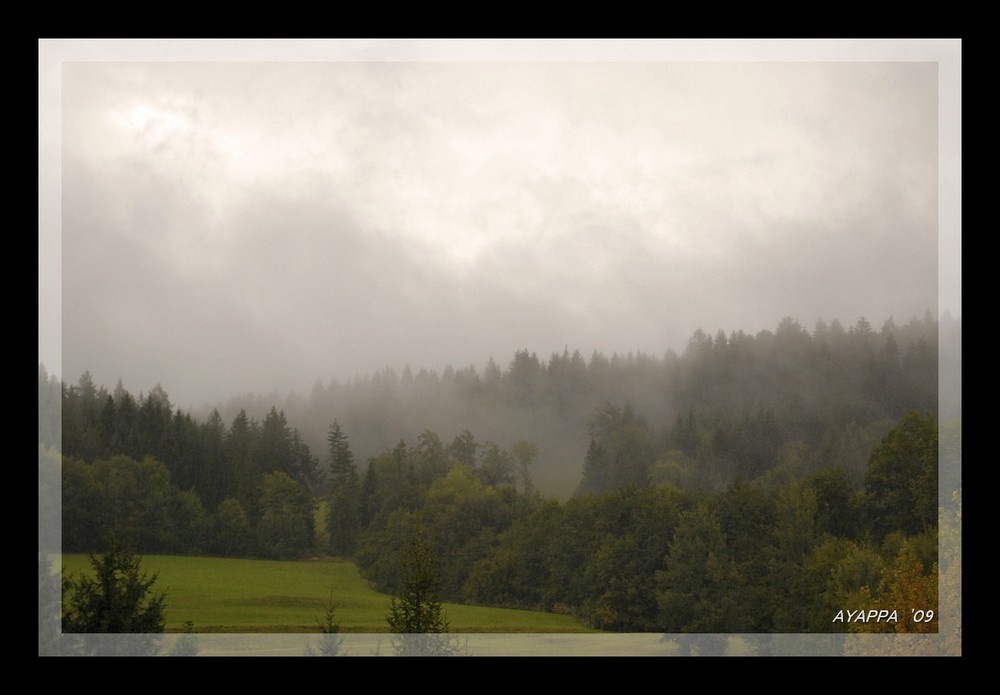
{"x": 270, "y": 596}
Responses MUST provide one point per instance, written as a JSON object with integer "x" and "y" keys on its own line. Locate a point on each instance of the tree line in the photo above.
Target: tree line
{"x": 740, "y": 396}
{"x": 774, "y": 554}
{"x": 716, "y": 490}
{"x": 811, "y": 385}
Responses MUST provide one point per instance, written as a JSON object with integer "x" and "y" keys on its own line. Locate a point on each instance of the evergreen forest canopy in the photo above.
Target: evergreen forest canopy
{"x": 715, "y": 490}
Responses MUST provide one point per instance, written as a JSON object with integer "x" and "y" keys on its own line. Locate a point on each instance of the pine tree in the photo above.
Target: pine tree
{"x": 344, "y": 519}
{"x": 119, "y": 599}
{"x": 331, "y": 641}
{"x": 597, "y": 475}
{"x": 417, "y": 606}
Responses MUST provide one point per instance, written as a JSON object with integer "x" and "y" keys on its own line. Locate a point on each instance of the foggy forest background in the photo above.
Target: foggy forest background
{"x": 803, "y": 462}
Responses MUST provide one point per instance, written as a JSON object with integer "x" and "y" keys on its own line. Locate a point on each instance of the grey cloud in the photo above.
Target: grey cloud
{"x": 325, "y": 221}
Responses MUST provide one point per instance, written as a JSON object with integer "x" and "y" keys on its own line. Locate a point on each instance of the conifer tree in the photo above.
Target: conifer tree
{"x": 344, "y": 519}
{"x": 119, "y": 599}
{"x": 417, "y": 606}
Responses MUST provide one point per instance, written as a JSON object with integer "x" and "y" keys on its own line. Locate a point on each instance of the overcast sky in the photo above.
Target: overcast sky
{"x": 252, "y": 220}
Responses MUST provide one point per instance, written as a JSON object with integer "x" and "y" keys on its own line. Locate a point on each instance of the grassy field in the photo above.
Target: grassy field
{"x": 269, "y": 596}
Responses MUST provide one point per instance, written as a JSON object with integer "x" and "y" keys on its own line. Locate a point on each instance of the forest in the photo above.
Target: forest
{"x": 752, "y": 483}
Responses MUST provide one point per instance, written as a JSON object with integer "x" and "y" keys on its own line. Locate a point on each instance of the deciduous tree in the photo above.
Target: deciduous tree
{"x": 286, "y": 523}
{"x": 902, "y": 480}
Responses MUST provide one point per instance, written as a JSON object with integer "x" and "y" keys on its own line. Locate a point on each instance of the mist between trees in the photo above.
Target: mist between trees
{"x": 750, "y": 484}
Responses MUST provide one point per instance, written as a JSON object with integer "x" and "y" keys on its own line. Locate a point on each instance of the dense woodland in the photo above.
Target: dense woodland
{"x": 753, "y": 483}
